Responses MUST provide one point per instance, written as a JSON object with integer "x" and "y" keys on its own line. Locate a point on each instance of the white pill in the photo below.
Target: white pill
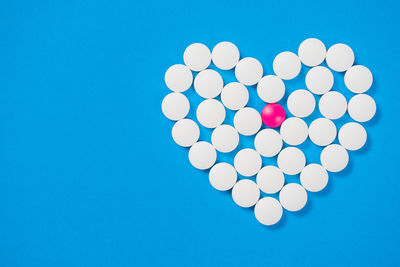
{"x": 225, "y": 138}
{"x": 247, "y": 162}
{"x": 268, "y": 211}
{"x": 178, "y": 78}
{"x": 301, "y": 103}
{"x": 234, "y": 96}
{"x": 270, "y": 89}
{"x": 293, "y": 197}
{"x": 175, "y": 106}
{"x": 225, "y": 55}
{"x": 291, "y": 160}
{"x": 362, "y": 108}
{"x": 245, "y": 193}
{"x": 319, "y": 80}
{"x": 247, "y": 121}
{"x": 185, "y": 132}
{"x": 334, "y": 158}
{"x": 322, "y": 131}
{"x": 312, "y": 52}
{"x": 248, "y": 71}
{"x": 314, "y": 177}
{"x": 197, "y": 57}
{"x": 352, "y": 136}
{"x": 340, "y": 57}
{"x": 210, "y": 113}
{"x": 208, "y": 83}
{"x": 294, "y": 131}
{"x": 268, "y": 142}
{"x": 222, "y": 176}
{"x": 333, "y": 105}
{"x": 202, "y": 155}
{"x": 358, "y": 79}
{"x": 287, "y": 65}
{"x": 270, "y": 179}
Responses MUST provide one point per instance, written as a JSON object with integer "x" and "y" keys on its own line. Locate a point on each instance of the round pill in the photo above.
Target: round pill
{"x": 352, "y": 136}
{"x": 247, "y": 121}
{"x": 178, "y": 78}
{"x": 210, "y": 113}
{"x": 234, "y": 96}
{"x": 202, "y": 155}
{"x": 270, "y": 89}
{"x": 294, "y": 131}
{"x": 197, "y": 57}
{"x": 248, "y": 71}
{"x": 312, "y": 52}
{"x": 225, "y": 55}
{"x": 273, "y": 115}
{"x": 334, "y": 158}
{"x": 333, "y": 105}
{"x": 268, "y": 211}
{"x": 287, "y": 65}
{"x": 208, "y": 83}
{"x": 175, "y": 106}
{"x": 322, "y": 131}
{"x": 247, "y": 162}
{"x": 268, "y": 142}
{"x": 225, "y": 138}
{"x": 319, "y": 80}
{"x": 245, "y": 193}
{"x": 291, "y": 160}
{"x": 314, "y": 177}
{"x": 358, "y": 79}
{"x": 222, "y": 176}
{"x": 301, "y": 103}
{"x": 270, "y": 179}
{"x": 340, "y": 57}
{"x": 185, "y": 132}
{"x": 362, "y": 108}
{"x": 293, "y": 197}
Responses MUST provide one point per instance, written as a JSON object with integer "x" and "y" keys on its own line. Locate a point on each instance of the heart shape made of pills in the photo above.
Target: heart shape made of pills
{"x": 268, "y": 142}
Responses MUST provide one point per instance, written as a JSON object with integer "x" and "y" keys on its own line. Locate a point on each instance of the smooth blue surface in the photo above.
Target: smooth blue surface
{"x": 90, "y": 176}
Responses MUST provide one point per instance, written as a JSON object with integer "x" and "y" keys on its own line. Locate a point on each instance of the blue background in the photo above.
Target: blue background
{"x": 89, "y": 173}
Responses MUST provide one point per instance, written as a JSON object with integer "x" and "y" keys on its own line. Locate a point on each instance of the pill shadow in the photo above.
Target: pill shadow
{"x": 375, "y": 119}
{"x": 346, "y": 172}
{"x": 373, "y": 88}
{"x": 306, "y": 210}
{"x": 278, "y": 226}
{"x": 326, "y": 191}
{"x": 366, "y": 148}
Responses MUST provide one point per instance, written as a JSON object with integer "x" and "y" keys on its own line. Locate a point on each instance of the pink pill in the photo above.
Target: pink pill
{"x": 273, "y": 115}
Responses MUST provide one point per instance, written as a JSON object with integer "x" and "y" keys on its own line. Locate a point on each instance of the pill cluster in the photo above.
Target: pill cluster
{"x": 268, "y": 142}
